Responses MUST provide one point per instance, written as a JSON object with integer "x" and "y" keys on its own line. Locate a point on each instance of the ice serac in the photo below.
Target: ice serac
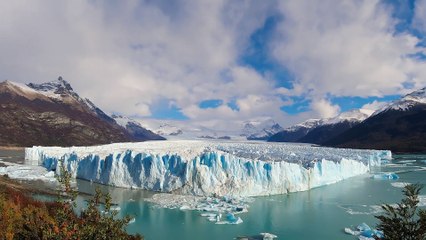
{"x": 210, "y": 168}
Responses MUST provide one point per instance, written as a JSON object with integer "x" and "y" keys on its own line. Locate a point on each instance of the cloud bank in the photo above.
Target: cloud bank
{"x": 130, "y": 57}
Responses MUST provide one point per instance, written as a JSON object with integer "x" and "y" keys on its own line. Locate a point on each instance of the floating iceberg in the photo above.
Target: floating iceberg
{"x": 261, "y": 236}
{"x": 210, "y": 168}
{"x": 268, "y": 236}
{"x": 362, "y": 209}
{"x": 210, "y": 207}
{"x": 386, "y": 176}
{"x": 364, "y": 232}
{"x": 400, "y": 184}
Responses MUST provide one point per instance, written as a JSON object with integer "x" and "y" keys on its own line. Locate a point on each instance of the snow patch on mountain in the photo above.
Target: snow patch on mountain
{"x": 355, "y": 116}
{"x": 308, "y": 124}
{"x": 61, "y": 90}
{"x": 405, "y": 103}
{"x": 123, "y": 120}
{"x": 260, "y": 129}
{"x": 167, "y": 129}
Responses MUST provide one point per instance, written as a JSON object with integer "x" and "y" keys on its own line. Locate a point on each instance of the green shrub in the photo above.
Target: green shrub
{"x": 404, "y": 221}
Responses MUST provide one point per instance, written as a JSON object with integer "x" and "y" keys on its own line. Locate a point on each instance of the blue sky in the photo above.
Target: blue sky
{"x": 220, "y": 63}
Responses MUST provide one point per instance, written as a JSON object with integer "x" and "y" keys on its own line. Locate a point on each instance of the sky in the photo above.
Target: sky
{"x": 219, "y": 63}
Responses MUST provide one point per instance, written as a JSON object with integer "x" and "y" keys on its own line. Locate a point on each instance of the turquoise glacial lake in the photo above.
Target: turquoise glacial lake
{"x": 321, "y": 213}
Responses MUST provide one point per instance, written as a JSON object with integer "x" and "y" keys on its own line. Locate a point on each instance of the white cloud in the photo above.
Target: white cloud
{"x": 345, "y": 48}
{"x": 324, "y": 108}
{"x": 128, "y": 55}
{"x": 419, "y": 20}
{"x": 375, "y": 105}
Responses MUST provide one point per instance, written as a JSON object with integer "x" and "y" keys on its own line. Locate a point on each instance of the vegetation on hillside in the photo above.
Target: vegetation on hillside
{"x": 22, "y": 217}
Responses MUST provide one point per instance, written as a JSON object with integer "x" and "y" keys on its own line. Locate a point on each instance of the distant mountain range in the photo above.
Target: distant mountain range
{"x": 260, "y": 129}
{"x": 320, "y": 130}
{"x": 399, "y": 126}
{"x": 54, "y": 114}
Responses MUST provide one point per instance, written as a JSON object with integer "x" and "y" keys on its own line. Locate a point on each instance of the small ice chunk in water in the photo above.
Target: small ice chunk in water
{"x": 239, "y": 220}
{"x": 115, "y": 208}
{"x": 218, "y": 217}
{"x": 268, "y": 236}
{"x": 261, "y": 236}
{"x": 400, "y": 184}
{"x": 185, "y": 207}
{"x": 363, "y": 227}
{"x": 231, "y": 218}
{"x": 365, "y": 238}
{"x": 365, "y": 232}
{"x": 352, "y": 232}
{"x": 386, "y": 176}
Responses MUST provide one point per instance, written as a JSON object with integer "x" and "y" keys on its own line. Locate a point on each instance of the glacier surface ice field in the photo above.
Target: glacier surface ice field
{"x": 210, "y": 168}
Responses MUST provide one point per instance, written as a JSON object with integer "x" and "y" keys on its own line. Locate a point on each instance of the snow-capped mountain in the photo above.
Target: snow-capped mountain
{"x": 53, "y": 114}
{"x": 399, "y": 126}
{"x": 308, "y": 124}
{"x": 248, "y": 130}
{"x": 320, "y": 130}
{"x": 406, "y": 103}
{"x": 61, "y": 91}
{"x": 135, "y": 128}
{"x": 260, "y": 130}
{"x": 175, "y": 129}
{"x": 166, "y": 129}
{"x": 355, "y": 116}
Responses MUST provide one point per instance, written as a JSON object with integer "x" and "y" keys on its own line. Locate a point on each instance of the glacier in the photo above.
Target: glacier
{"x": 209, "y": 168}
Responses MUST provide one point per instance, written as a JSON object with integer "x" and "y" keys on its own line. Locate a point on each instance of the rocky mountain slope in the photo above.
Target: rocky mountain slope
{"x": 53, "y": 114}
{"x": 319, "y": 131}
{"x": 399, "y": 126}
{"x": 295, "y": 132}
{"x": 135, "y": 129}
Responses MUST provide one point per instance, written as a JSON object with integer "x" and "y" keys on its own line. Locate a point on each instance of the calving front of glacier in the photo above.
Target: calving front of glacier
{"x": 210, "y": 168}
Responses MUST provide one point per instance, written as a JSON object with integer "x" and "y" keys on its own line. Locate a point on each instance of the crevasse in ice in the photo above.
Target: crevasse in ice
{"x": 210, "y": 168}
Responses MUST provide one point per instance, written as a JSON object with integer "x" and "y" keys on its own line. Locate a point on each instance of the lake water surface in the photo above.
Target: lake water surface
{"x": 320, "y": 213}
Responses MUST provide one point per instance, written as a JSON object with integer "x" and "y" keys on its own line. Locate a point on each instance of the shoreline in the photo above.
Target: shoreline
{"x": 30, "y": 187}
{"x": 12, "y": 148}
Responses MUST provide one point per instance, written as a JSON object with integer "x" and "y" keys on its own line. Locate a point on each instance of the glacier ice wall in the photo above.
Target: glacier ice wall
{"x": 207, "y": 168}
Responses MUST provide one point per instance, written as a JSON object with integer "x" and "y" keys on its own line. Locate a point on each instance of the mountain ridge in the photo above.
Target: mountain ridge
{"x": 319, "y": 130}
{"x": 53, "y": 114}
{"x": 259, "y": 129}
{"x": 399, "y": 126}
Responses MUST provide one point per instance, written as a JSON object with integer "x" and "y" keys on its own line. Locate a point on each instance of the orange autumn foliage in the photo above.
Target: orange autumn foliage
{"x": 22, "y": 217}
